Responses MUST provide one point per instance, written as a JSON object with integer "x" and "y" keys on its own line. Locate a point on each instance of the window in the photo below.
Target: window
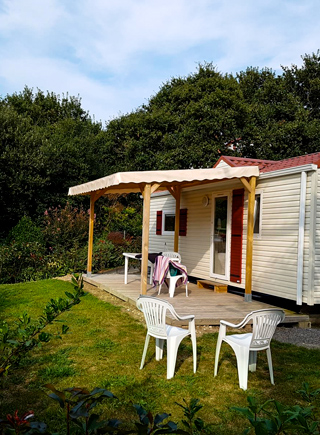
{"x": 168, "y": 222}
{"x": 257, "y": 215}
{"x": 165, "y": 222}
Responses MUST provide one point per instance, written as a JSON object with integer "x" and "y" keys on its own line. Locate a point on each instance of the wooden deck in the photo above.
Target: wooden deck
{"x": 208, "y": 307}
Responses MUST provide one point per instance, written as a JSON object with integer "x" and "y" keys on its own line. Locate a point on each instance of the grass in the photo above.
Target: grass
{"x": 103, "y": 348}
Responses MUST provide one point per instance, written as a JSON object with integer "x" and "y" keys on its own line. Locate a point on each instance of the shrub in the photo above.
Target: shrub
{"x": 104, "y": 255}
{"x": 127, "y": 220}
{"x": 60, "y": 247}
{"x": 25, "y": 232}
{"x": 61, "y": 262}
{"x": 65, "y": 227}
{"x": 24, "y": 261}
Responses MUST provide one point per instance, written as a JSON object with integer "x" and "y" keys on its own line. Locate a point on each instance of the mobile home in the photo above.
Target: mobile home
{"x": 213, "y": 228}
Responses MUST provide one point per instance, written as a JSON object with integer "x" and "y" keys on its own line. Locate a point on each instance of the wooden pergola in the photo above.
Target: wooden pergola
{"x": 148, "y": 182}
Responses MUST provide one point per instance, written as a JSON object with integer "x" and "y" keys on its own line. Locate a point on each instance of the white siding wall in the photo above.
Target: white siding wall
{"x": 306, "y": 250}
{"x": 275, "y": 254}
{"x": 195, "y": 246}
{"x": 164, "y": 242}
{"x": 317, "y": 248}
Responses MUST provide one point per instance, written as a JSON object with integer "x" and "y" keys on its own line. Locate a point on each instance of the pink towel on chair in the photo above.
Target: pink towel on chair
{"x": 161, "y": 269}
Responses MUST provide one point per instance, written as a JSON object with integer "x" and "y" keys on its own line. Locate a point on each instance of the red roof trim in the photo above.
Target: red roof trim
{"x": 271, "y": 165}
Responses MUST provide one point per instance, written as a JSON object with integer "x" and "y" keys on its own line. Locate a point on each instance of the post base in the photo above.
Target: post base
{"x": 247, "y": 298}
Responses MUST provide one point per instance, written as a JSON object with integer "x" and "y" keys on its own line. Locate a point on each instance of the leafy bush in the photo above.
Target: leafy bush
{"x": 65, "y": 227}
{"x": 23, "y": 261}
{"x": 105, "y": 255}
{"x": 25, "y": 232}
{"x": 20, "y": 262}
{"x": 60, "y": 247}
{"x": 61, "y": 262}
{"x": 126, "y": 219}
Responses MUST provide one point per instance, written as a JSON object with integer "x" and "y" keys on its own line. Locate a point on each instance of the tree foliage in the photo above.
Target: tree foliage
{"x": 49, "y": 143}
{"x": 186, "y": 124}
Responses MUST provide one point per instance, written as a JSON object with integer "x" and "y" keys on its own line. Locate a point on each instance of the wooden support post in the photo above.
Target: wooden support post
{"x": 90, "y": 241}
{"x": 250, "y": 224}
{"x": 145, "y": 238}
{"x": 177, "y": 220}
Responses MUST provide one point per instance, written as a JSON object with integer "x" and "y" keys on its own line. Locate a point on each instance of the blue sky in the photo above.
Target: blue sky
{"x": 115, "y": 54}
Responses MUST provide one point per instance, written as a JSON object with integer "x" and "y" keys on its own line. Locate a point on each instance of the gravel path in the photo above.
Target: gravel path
{"x": 309, "y": 338}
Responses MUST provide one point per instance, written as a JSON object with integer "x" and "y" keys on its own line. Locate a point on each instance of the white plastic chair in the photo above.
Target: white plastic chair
{"x": 174, "y": 256}
{"x": 172, "y": 284}
{"x": 155, "y": 311}
{"x": 246, "y": 346}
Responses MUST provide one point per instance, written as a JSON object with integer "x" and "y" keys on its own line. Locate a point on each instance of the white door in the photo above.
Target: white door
{"x": 220, "y": 246}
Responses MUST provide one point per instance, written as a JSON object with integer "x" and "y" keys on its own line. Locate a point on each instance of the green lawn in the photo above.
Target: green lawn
{"x": 103, "y": 348}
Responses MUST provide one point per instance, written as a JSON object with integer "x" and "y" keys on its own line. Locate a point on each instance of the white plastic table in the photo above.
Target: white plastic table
{"x": 128, "y": 255}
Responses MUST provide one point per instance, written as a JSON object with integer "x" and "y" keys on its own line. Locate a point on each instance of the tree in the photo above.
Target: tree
{"x": 186, "y": 124}
{"x": 278, "y": 125}
{"x": 47, "y": 144}
{"x": 304, "y": 82}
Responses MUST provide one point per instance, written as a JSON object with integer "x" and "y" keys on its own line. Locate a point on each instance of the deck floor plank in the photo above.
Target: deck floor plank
{"x": 208, "y": 307}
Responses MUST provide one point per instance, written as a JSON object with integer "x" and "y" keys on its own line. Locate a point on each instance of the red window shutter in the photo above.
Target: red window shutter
{"x": 159, "y": 223}
{"x": 183, "y": 222}
{"x": 236, "y": 235}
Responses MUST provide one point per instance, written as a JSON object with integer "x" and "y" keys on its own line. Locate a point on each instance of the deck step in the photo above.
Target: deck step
{"x": 217, "y": 287}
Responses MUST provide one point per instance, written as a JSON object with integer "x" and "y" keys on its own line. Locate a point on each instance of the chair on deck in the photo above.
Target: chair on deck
{"x": 246, "y": 346}
{"x": 155, "y": 311}
{"x": 174, "y": 256}
{"x": 169, "y": 267}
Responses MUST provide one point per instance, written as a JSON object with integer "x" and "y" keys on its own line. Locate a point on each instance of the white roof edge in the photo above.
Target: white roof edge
{"x": 287, "y": 171}
{"x": 123, "y": 179}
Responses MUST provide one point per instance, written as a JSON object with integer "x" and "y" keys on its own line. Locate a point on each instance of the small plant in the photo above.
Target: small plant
{"x": 77, "y": 281}
{"x": 274, "y": 418}
{"x": 78, "y": 403}
{"x": 193, "y": 424}
{"x": 149, "y": 424}
{"x": 21, "y": 425}
{"x": 307, "y": 394}
{"x": 26, "y": 334}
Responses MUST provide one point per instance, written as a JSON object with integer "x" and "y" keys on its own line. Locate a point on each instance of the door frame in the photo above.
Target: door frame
{"x": 215, "y": 195}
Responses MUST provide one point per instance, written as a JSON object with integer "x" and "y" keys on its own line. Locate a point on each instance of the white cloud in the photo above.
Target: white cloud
{"x": 116, "y": 53}
{"x": 36, "y": 16}
{"x": 104, "y": 102}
